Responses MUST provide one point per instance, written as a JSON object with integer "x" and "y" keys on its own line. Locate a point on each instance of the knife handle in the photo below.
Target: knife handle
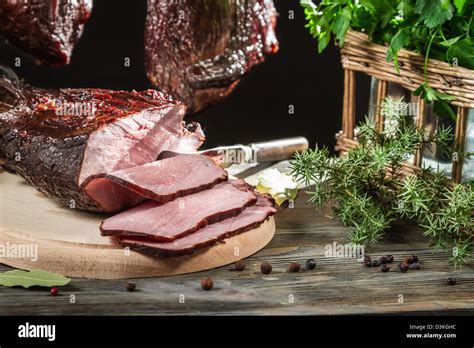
{"x": 279, "y": 150}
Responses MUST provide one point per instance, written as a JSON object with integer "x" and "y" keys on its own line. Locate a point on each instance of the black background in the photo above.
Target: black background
{"x": 258, "y": 108}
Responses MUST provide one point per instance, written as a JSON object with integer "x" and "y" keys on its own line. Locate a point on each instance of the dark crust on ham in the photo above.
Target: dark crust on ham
{"x": 151, "y": 247}
{"x": 52, "y": 165}
{"x": 46, "y": 29}
{"x": 210, "y": 219}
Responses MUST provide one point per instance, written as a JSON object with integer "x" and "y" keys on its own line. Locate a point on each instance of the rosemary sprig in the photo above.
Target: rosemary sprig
{"x": 369, "y": 189}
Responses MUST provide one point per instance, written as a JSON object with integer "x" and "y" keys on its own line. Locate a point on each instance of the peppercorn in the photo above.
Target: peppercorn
{"x": 411, "y": 259}
{"x": 240, "y": 265}
{"x": 266, "y": 267}
{"x": 451, "y": 281}
{"x": 390, "y": 258}
{"x": 294, "y": 267}
{"x": 54, "y": 291}
{"x": 415, "y": 265}
{"x": 207, "y": 283}
{"x": 376, "y": 263}
{"x": 384, "y": 268}
{"x": 311, "y": 264}
{"x": 383, "y": 260}
{"x": 130, "y": 287}
{"x": 367, "y": 261}
{"x": 403, "y": 267}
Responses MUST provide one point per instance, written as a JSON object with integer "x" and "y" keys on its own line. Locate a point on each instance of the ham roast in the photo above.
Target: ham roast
{"x": 46, "y": 29}
{"x": 66, "y": 154}
{"x": 197, "y": 50}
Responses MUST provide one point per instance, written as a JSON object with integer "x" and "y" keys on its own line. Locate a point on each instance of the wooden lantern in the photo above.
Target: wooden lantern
{"x": 359, "y": 54}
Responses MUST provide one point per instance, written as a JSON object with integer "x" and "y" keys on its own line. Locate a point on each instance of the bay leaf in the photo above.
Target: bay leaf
{"x": 27, "y": 279}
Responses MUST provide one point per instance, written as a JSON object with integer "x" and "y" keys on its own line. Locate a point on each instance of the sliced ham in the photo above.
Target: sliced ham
{"x": 250, "y": 218}
{"x": 162, "y": 181}
{"x": 166, "y": 222}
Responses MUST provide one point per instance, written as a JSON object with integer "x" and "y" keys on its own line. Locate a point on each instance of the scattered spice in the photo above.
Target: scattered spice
{"x": 451, "y": 281}
{"x": 207, "y": 283}
{"x": 367, "y": 261}
{"x": 385, "y": 268}
{"x": 311, "y": 264}
{"x": 411, "y": 259}
{"x": 415, "y": 265}
{"x": 240, "y": 265}
{"x": 266, "y": 267}
{"x": 54, "y": 291}
{"x": 376, "y": 263}
{"x": 294, "y": 267}
{"x": 383, "y": 260}
{"x": 403, "y": 267}
{"x": 390, "y": 258}
{"x": 130, "y": 286}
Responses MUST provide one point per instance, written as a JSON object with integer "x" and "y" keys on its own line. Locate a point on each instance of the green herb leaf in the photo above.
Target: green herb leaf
{"x": 324, "y": 41}
{"x": 442, "y": 109}
{"x": 405, "y": 8}
{"x": 463, "y": 51}
{"x": 308, "y": 4}
{"x": 400, "y": 40}
{"x": 434, "y": 12}
{"x": 27, "y": 279}
{"x": 430, "y": 94}
{"x": 461, "y": 5}
{"x": 450, "y": 42}
{"x": 341, "y": 25}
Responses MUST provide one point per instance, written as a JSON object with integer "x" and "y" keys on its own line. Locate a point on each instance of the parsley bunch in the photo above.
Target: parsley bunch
{"x": 370, "y": 190}
{"x": 439, "y": 29}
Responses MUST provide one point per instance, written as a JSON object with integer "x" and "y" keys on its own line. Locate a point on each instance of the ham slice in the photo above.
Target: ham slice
{"x": 250, "y": 218}
{"x": 162, "y": 181}
{"x": 166, "y": 222}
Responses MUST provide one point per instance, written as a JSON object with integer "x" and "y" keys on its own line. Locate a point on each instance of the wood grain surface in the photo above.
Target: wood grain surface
{"x": 336, "y": 286}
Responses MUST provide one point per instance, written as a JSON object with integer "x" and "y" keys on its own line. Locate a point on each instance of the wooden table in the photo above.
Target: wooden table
{"x": 336, "y": 286}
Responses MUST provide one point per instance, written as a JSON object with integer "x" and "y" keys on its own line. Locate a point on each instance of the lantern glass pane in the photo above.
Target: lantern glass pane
{"x": 468, "y": 167}
{"x": 374, "y": 83}
{"x": 432, "y": 156}
{"x": 396, "y": 93}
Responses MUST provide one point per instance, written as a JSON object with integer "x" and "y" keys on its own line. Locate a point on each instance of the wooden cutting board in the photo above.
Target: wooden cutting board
{"x": 68, "y": 241}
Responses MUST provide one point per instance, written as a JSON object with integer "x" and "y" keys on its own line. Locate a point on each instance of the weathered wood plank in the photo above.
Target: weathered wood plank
{"x": 336, "y": 286}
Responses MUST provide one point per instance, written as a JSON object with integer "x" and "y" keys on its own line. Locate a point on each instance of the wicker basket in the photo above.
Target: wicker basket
{"x": 362, "y": 55}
